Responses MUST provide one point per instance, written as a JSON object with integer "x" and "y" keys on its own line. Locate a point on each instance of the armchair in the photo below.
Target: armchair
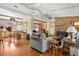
{"x": 40, "y": 43}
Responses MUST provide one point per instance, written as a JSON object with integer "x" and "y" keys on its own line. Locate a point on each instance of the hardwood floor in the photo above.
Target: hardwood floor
{"x": 21, "y": 48}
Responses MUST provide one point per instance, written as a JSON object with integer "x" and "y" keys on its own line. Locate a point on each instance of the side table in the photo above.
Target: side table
{"x": 53, "y": 46}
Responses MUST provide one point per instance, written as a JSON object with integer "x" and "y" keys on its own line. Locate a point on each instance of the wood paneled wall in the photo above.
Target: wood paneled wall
{"x": 65, "y": 22}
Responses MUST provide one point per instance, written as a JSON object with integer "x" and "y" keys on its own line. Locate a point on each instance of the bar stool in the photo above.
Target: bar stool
{"x": 1, "y": 37}
{"x": 14, "y": 36}
{"x": 1, "y": 45}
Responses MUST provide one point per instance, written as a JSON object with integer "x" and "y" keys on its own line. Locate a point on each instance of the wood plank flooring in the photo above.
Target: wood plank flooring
{"x": 21, "y": 48}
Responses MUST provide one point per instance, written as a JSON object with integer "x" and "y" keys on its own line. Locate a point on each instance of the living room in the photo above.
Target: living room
{"x": 39, "y": 29}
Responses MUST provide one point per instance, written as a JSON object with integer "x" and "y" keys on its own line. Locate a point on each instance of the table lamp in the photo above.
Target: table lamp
{"x": 71, "y": 30}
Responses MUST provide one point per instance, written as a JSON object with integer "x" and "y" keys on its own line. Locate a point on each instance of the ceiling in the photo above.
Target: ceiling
{"x": 44, "y": 10}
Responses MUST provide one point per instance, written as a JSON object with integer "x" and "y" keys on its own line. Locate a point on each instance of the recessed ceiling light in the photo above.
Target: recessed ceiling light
{"x": 15, "y": 6}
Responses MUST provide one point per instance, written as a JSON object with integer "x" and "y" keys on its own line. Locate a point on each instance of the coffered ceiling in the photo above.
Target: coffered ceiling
{"x": 44, "y": 10}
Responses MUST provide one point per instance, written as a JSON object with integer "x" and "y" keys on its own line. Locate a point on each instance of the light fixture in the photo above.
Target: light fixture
{"x": 71, "y": 30}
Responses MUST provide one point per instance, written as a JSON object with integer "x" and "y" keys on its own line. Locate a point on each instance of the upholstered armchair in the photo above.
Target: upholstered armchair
{"x": 40, "y": 43}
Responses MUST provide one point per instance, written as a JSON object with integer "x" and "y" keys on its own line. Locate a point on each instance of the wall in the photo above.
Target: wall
{"x": 65, "y": 22}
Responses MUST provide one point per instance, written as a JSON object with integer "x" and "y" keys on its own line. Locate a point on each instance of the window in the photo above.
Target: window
{"x": 76, "y": 23}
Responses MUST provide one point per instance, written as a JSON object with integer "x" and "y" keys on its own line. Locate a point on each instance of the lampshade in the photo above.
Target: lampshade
{"x": 71, "y": 29}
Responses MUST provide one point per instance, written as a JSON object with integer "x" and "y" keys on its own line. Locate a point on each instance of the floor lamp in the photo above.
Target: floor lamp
{"x": 71, "y": 30}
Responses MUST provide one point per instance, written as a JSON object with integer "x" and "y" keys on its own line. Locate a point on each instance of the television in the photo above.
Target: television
{"x": 62, "y": 33}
